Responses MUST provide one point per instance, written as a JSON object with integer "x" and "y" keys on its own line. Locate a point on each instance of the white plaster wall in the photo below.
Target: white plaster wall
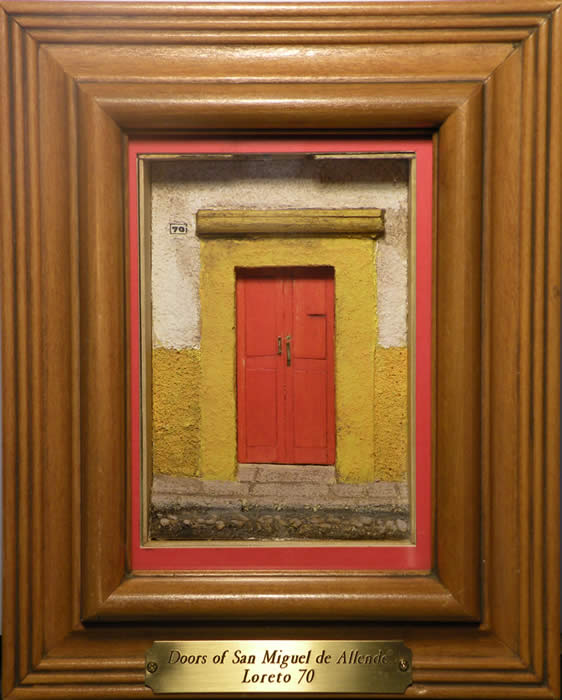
{"x": 181, "y": 188}
{"x": 392, "y": 280}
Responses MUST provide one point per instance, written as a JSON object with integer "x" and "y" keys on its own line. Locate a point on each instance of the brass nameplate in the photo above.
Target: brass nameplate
{"x": 278, "y": 666}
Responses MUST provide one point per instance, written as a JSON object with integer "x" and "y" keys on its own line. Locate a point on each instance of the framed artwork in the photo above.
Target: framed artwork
{"x": 259, "y": 381}
{"x": 315, "y": 343}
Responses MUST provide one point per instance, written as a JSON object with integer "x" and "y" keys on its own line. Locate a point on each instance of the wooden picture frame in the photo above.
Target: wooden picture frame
{"x": 77, "y": 80}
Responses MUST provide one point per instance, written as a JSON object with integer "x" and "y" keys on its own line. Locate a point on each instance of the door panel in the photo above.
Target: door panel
{"x": 261, "y": 420}
{"x": 286, "y": 400}
{"x": 310, "y": 384}
{"x": 262, "y": 303}
{"x": 309, "y": 318}
{"x": 261, "y": 402}
{"x": 310, "y": 425}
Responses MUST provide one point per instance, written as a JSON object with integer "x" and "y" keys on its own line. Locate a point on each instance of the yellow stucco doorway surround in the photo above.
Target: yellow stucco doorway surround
{"x": 254, "y": 212}
{"x": 355, "y": 341}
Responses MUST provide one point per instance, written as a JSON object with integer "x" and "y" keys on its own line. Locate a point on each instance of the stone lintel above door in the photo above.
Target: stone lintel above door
{"x": 238, "y": 223}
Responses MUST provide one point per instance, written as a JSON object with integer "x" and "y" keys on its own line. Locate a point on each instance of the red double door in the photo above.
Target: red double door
{"x": 285, "y": 365}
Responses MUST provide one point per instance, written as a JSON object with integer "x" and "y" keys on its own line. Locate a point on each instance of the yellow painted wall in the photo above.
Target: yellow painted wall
{"x": 391, "y": 414}
{"x": 176, "y": 379}
{"x": 355, "y": 341}
{"x": 194, "y": 391}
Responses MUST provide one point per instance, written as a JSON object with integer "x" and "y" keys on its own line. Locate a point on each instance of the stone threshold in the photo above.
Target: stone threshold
{"x": 284, "y": 473}
{"x": 278, "y": 485}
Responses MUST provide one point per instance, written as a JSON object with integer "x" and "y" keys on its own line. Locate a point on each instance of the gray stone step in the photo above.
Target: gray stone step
{"x": 277, "y": 486}
{"x": 283, "y": 473}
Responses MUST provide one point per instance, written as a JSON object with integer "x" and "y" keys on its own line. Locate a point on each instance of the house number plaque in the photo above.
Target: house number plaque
{"x": 278, "y": 666}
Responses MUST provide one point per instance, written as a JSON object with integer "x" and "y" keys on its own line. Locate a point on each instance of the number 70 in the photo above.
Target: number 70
{"x": 307, "y": 675}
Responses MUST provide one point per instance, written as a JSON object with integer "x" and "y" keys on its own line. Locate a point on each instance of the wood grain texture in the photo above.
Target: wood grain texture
{"x": 9, "y": 353}
{"x": 21, "y": 368}
{"x": 261, "y": 596}
{"x": 102, "y": 354}
{"x": 35, "y": 315}
{"x": 506, "y": 438}
{"x": 551, "y": 426}
{"x": 457, "y": 352}
{"x": 283, "y": 106}
{"x": 425, "y": 14}
{"x": 78, "y": 79}
{"x": 292, "y": 222}
{"x": 58, "y": 298}
{"x": 191, "y": 63}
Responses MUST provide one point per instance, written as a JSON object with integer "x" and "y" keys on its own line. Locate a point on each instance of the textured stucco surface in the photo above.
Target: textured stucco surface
{"x": 180, "y": 189}
{"x": 355, "y": 323}
{"x": 392, "y": 280}
{"x": 176, "y": 411}
{"x": 193, "y": 307}
{"x": 391, "y": 413}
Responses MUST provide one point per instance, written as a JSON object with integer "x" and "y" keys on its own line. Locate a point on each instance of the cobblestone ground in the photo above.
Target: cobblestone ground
{"x": 255, "y": 523}
{"x": 274, "y": 502}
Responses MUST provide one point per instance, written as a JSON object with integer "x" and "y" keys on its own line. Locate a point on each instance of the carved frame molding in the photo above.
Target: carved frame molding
{"x": 77, "y": 79}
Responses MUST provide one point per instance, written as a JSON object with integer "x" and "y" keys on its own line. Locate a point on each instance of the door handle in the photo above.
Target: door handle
{"x": 288, "y": 343}
{"x": 279, "y": 345}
